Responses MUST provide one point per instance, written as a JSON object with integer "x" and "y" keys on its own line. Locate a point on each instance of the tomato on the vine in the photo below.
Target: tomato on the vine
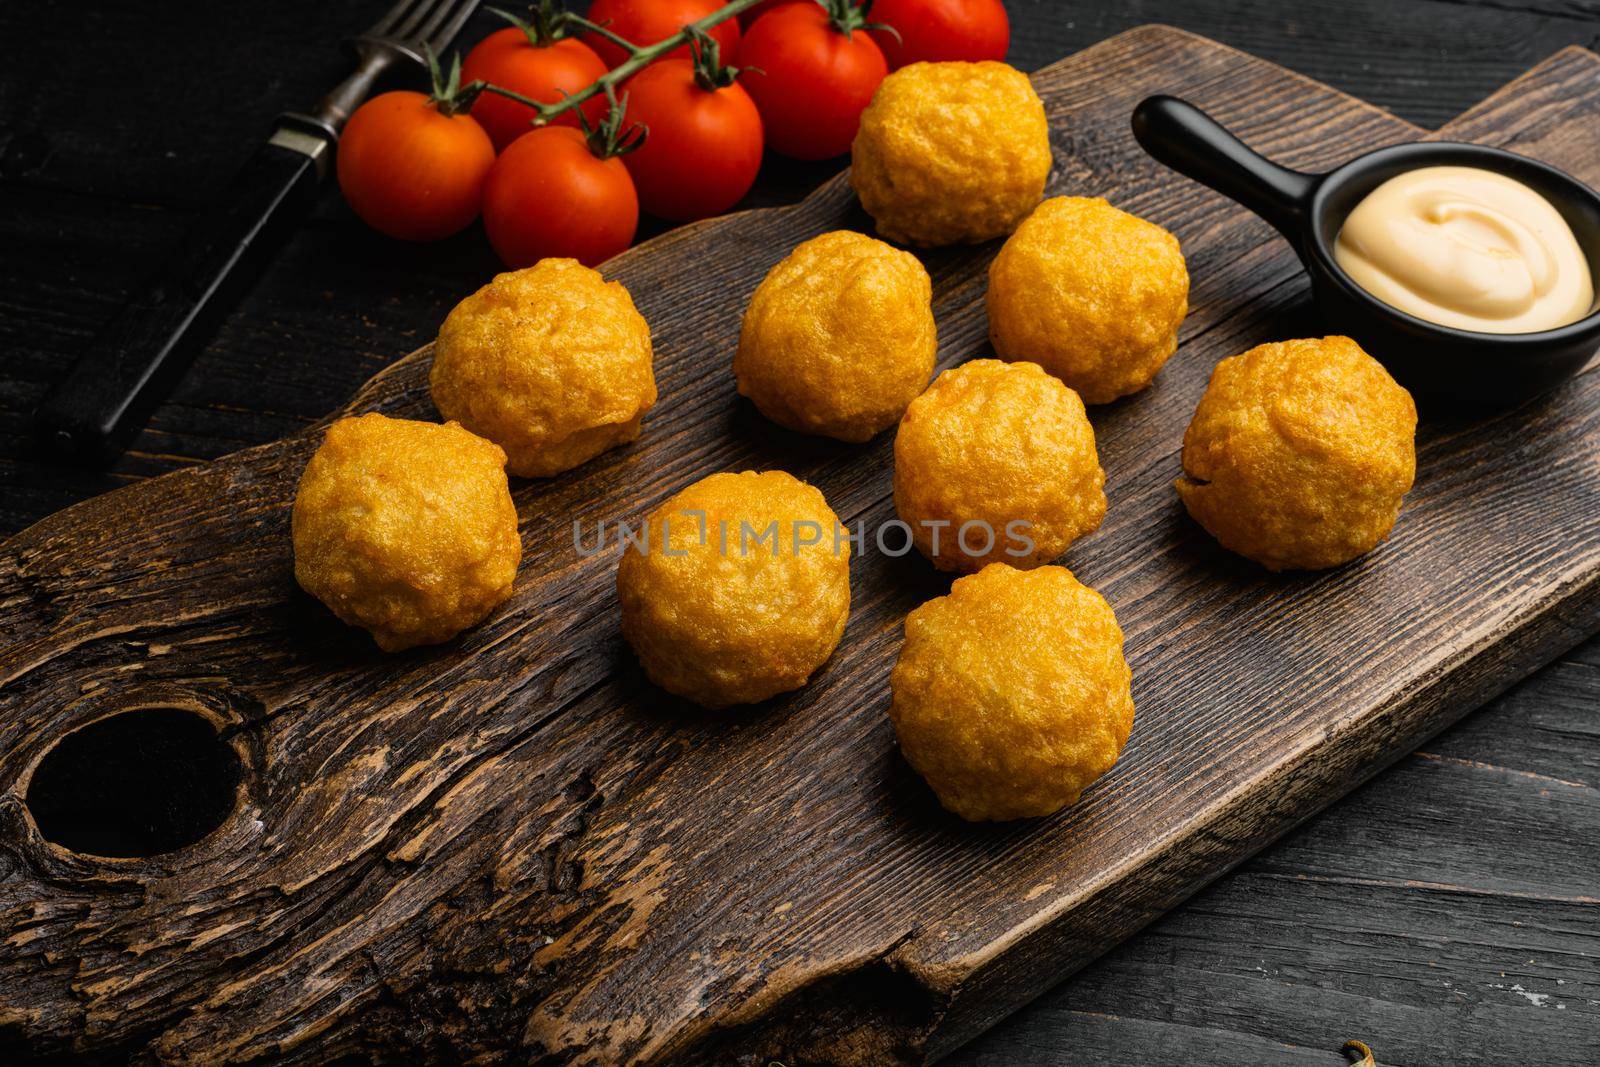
{"x": 932, "y": 31}
{"x": 644, "y": 22}
{"x": 815, "y": 73}
{"x": 412, "y": 165}
{"x": 557, "y": 191}
{"x": 531, "y": 58}
{"x": 704, "y": 145}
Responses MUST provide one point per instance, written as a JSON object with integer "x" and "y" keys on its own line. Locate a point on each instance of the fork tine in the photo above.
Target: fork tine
{"x": 386, "y": 24}
{"x": 458, "y": 11}
{"x": 437, "y": 10}
{"x": 410, "y": 27}
{"x": 406, "y": 29}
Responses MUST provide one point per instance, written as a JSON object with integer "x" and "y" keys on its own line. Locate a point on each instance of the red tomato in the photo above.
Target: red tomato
{"x": 549, "y": 195}
{"x": 750, "y": 14}
{"x": 644, "y": 22}
{"x": 704, "y": 145}
{"x": 411, "y": 171}
{"x": 544, "y": 73}
{"x": 814, "y": 79}
{"x": 935, "y": 30}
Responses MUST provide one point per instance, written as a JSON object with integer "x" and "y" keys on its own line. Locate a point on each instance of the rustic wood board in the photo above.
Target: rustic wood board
{"x": 513, "y": 846}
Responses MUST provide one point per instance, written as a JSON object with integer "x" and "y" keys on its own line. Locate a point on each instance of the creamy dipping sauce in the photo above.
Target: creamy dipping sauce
{"x": 1467, "y": 248}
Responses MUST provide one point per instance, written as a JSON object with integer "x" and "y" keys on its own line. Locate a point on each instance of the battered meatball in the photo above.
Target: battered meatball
{"x": 1092, "y": 294}
{"x": 1011, "y": 694}
{"x": 1299, "y": 453}
{"x": 838, "y": 338}
{"x": 741, "y": 590}
{"x": 406, "y": 528}
{"x": 995, "y": 455}
{"x": 551, "y": 362}
{"x": 951, "y": 153}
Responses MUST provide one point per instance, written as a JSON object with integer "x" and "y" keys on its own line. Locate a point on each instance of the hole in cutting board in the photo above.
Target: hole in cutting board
{"x": 138, "y": 783}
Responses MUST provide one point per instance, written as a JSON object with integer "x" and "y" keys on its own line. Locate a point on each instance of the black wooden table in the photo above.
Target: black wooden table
{"x": 1448, "y": 913}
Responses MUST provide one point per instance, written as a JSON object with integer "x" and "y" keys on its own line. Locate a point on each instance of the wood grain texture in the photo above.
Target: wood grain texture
{"x": 1444, "y": 913}
{"x": 515, "y": 846}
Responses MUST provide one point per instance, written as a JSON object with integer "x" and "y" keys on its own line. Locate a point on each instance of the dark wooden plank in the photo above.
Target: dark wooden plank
{"x": 1425, "y": 60}
{"x": 486, "y": 847}
{"x": 1425, "y": 977}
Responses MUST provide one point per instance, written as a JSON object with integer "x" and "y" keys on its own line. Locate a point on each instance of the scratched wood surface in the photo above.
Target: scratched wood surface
{"x": 513, "y": 846}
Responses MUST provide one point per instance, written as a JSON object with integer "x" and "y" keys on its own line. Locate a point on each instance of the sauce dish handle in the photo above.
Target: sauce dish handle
{"x": 1194, "y": 144}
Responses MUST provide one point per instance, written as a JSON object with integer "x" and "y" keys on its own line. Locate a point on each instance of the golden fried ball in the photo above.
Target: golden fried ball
{"x": 1299, "y": 453}
{"x": 749, "y": 599}
{"x": 951, "y": 153}
{"x": 1011, "y": 694}
{"x": 1092, "y": 294}
{"x": 992, "y": 457}
{"x": 838, "y": 337}
{"x": 406, "y": 528}
{"x": 551, "y": 362}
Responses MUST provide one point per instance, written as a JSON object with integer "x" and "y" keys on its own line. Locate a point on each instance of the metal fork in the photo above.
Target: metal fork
{"x": 408, "y": 31}
{"x": 109, "y": 392}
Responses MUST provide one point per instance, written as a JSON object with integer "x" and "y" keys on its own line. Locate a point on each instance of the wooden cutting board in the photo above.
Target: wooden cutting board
{"x": 514, "y": 847}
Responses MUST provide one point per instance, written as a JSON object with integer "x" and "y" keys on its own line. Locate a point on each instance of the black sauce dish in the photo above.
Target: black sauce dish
{"x": 1441, "y": 365}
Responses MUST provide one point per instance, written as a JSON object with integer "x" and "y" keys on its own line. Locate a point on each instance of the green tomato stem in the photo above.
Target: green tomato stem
{"x": 600, "y": 29}
{"x": 544, "y": 29}
{"x": 638, "y": 58}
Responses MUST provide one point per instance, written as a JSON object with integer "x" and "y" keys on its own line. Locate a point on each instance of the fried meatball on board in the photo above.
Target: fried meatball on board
{"x": 513, "y": 845}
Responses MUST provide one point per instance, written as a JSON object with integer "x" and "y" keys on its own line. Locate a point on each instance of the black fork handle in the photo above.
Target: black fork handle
{"x": 92, "y": 413}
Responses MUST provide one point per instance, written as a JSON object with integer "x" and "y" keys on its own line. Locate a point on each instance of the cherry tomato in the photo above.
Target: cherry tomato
{"x": 411, "y": 171}
{"x": 704, "y": 146}
{"x": 546, "y": 73}
{"x": 936, "y": 30}
{"x": 749, "y": 15}
{"x": 644, "y": 22}
{"x": 550, "y": 195}
{"x": 814, "y": 77}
